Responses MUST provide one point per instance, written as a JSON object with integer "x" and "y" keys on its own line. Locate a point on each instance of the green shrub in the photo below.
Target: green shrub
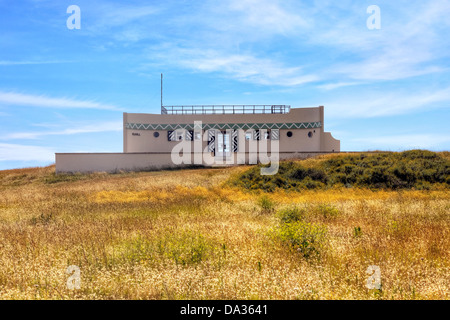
{"x": 418, "y": 169}
{"x": 306, "y": 238}
{"x": 63, "y": 177}
{"x": 266, "y": 204}
{"x": 291, "y": 215}
{"x": 298, "y": 174}
{"x": 317, "y": 175}
{"x": 357, "y": 232}
{"x": 183, "y": 248}
{"x": 43, "y": 218}
{"x": 309, "y": 183}
{"x": 327, "y": 211}
{"x": 186, "y": 248}
{"x": 135, "y": 250}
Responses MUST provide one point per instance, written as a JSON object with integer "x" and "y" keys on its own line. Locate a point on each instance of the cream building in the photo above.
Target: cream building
{"x": 209, "y": 136}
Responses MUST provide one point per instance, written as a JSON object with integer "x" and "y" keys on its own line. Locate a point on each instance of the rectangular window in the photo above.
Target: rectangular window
{"x": 171, "y": 135}
{"x": 256, "y": 135}
{"x": 234, "y": 140}
{"x": 211, "y": 140}
{"x": 275, "y": 134}
{"x": 179, "y": 136}
{"x": 267, "y": 135}
{"x": 248, "y": 136}
{"x": 197, "y": 135}
{"x": 189, "y": 135}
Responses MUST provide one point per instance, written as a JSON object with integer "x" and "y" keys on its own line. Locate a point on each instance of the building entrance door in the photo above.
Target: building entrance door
{"x": 223, "y": 144}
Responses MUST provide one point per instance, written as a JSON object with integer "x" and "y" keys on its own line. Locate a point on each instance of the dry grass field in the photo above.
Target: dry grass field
{"x": 187, "y": 234}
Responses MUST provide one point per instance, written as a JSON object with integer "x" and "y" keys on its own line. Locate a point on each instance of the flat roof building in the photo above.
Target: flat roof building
{"x": 210, "y": 135}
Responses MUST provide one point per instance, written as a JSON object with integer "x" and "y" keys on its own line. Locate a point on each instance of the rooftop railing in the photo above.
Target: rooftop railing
{"x": 226, "y": 109}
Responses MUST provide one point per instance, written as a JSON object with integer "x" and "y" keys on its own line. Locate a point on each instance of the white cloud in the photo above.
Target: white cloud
{"x": 406, "y": 141}
{"x": 98, "y": 127}
{"x": 267, "y": 16}
{"x": 256, "y": 41}
{"x": 381, "y": 103}
{"x": 206, "y": 37}
{"x": 18, "y": 152}
{"x": 388, "y": 65}
{"x": 13, "y": 98}
{"x": 27, "y": 62}
{"x": 332, "y": 86}
{"x": 409, "y": 44}
{"x": 123, "y": 22}
{"x": 120, "y": 15}
{"x": 243, "y": 67}
{"x": 248, "y": 68}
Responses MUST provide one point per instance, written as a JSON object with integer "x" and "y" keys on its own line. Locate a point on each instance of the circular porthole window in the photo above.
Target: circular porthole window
{"x": 156, "y": 134}
{"x": 310, "y": 134}
{"x": 289, "y": 134}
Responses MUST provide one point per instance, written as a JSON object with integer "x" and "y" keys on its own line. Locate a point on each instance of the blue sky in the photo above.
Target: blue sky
{"x": 64, "y": 90}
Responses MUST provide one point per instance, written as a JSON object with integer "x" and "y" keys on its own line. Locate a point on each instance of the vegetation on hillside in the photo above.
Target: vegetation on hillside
{"x": 189, "y": 234}
{"x": 415, "y": 169}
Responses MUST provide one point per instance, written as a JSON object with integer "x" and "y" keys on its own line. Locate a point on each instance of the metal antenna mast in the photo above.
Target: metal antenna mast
{"x": 161, "y": 90}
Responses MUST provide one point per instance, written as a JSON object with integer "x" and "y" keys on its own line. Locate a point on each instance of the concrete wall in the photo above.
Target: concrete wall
{"x": 136, "y": 140}
{"x": 142, "y": 150}
{"x": 114, "y": 162}
{"x": 329, "y": 143}
{"x": 296, "y": 114}
{"x": 299, "y": 141}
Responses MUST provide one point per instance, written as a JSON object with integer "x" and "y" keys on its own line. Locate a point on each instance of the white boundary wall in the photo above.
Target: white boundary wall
{"x": 114, "y": 162}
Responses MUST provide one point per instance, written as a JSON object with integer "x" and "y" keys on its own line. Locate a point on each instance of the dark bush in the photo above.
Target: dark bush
{"x": 292, "y": 214}
{"x": 420, "y": 169}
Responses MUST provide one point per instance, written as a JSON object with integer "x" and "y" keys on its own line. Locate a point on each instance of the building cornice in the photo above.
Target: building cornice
{"x": 224, "y": 126}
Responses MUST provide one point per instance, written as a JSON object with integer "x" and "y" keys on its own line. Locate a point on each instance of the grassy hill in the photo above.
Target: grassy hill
{"x": 415, "y": 169}
{"x": 309, "y": 232}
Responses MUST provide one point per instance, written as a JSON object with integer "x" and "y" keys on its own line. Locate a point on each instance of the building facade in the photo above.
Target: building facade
{"x": 210, "y": 135}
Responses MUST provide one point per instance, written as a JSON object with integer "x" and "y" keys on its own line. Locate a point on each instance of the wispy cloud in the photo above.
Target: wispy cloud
{"x": 332, "y": 86}
{"x": 123, "y": 14}
{"x": 31, "y": 62}
{"x": 206, "y": 36}
{"x": 395, "y": 64}
{"x": 371, "y": 104}
{"x": 97, "y": 127}
{"x": 14, "y": 98}
{"x": 267, "y": 16}
{"x": 406, "y": 141}
{"x": 409, "y": 44}
{"x": 243, "y": 67}
{"x": 257, "y": 41}
{"x": 123, "y": 22}
{"x": 18, "y": 152}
